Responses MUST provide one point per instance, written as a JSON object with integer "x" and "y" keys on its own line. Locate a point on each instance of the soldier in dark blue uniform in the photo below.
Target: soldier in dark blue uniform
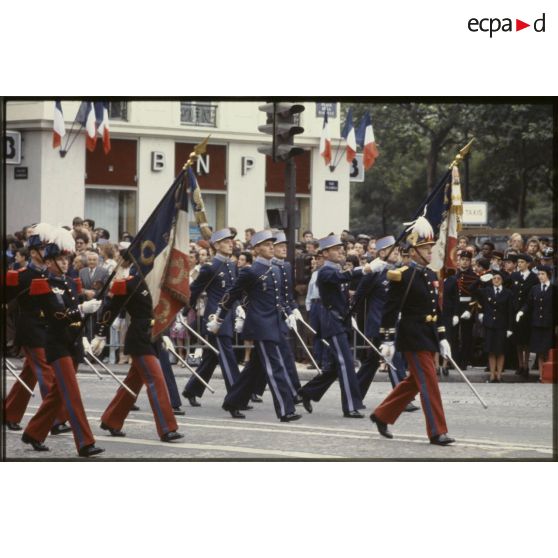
{"x": 419, "y": 333}
{"x": 372, "y": 290}
{"x": 335, "y": 327}
{"x": 457, "y": 296}
{"x": 522, "y": 281}
{"x": 30, "y": 333}
{"x": 132, "y": 293}
{"x": 58, "y": 299}
{"x": 214, "y": 279}
{"x": 261, "y": 284}
{"x": 542, "y": 317}
{"x": 497, "y": 319}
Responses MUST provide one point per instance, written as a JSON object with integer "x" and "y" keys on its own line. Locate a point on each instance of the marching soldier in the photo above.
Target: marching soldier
{"x": 132, "y": 293}
{"x": 262, "y": 324}
{"x": 413, "y": 295}
{"x": 30, "y": 333}
{"x": 214, "y": 279}
{"x": 290, "y": 312}
{"x": 373, "y": 287}
{"x": 522, "y": 281}
{"x": 58, "y": 300}
{"x": 335, "y": 327}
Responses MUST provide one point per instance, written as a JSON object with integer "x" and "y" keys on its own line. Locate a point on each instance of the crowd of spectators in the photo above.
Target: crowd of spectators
{"x": 97, "y": 256}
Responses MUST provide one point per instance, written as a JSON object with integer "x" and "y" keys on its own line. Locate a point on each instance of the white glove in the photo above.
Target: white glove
{"x": 509, "y": 333}
{"x": 388, "y": 350}
{"x": 238, "y": 324}
{"x": 486, "y": 277}
{"x": 445, "y": 349}
{"x": 117, "y": 323}
{"x": 290, "y": 320}
{"x": 466, "y": 315}
{"x": 97, "y": 345}
{"x": 214, "y": 324}
{"x": 240, "y": 312}
{"x": 297, "y": 314}
{"x": 167, "y": 343}
{"x": 90, "y": 306}
{"x": 481, "y": 316}
{"x": 518, "y": 316}
{"x": 455, "y": 320}
{"x": 86, "y": 345}
{"x": 377, "y": 265}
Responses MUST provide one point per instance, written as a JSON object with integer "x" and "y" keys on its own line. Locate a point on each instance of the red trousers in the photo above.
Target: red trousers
{"x": 35, "y": 368}
{"x": 144, "y": 370}
{"x": 422, "y": 379}
{"x": 64, "y": 394}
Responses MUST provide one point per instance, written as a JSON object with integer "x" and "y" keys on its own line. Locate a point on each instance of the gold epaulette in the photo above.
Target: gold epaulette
{"x": 396, "y": 274}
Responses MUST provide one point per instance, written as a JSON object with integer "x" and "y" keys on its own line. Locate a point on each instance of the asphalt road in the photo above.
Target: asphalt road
{"x": 516, "y": 425}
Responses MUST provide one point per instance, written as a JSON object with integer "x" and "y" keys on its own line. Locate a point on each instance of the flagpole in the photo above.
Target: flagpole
{"x": 462, "y": 154}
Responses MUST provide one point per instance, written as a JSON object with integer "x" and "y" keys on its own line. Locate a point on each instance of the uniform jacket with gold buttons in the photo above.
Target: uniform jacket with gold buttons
{"x": 420, "y": 327}
{"x": 540, "y": 306}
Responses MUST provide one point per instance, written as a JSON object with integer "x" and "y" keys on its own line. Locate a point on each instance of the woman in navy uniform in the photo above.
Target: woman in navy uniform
{"x": 413, "y": 295}
{"x": 58, "y": 299}
{"x": 133, "y": 294}
{"x": 214, "y": 279}
{"x": 30, "y": 333}
{"x": 541, "y": 315}
{"x": 497, "y": 319}
{"x": 263, "y": 320}
{"x": 522, "y": 281}
{"x": 335, "y": 327}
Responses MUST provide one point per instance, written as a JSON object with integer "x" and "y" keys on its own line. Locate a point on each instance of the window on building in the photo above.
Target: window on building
{"x": 198, "y": 114}
{"x": 114, "y": 209}
{"x": 118, "y": 110}
{"x": 302, "y": 205}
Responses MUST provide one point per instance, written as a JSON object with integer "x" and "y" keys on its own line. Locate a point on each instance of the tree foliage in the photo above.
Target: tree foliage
{"x": 510, "y": 166}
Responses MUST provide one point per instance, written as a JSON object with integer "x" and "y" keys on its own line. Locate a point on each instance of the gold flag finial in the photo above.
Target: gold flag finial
{"x": 200, "y": 149}
{"x": 463, "y": 152}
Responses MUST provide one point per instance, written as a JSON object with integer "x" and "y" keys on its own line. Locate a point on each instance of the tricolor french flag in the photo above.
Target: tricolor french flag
{"x": 86, "y": 117}
{"x": 102, "y": 121}
{"x": 365, "y": 138}
{"x": 58, "y": 126}
{"x": 325, "y": 142}
{"x": 348, "y": 134}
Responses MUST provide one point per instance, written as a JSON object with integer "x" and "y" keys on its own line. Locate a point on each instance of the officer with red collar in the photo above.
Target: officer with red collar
{"x": 30, "y": 333}
{"x": 132, "y": 293}
{"x": 58, "y": 299}
{"x": 413, "y": 295}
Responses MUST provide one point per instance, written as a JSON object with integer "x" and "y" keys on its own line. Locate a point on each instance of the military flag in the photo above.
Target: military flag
{"x": 86, "y": 117}
{"x": 365, "y": 139}
{"x": 58, "y": 126}
{"x": 325, "y": 142}
{"x": 348, "y": 134}
{"x": 160, "y": 253}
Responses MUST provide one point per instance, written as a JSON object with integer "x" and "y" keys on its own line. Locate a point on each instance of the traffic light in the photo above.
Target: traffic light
{"x": 280, "y": 124}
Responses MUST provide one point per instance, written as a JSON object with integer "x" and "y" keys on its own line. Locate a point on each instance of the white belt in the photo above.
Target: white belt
{"x": 465, "y": 299}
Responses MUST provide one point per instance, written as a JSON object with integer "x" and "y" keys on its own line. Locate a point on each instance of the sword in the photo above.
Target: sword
{"x": 467, "y": 381}
{"x": 355, "y": 327}
{"x": 312, "y": 330}
{"x": 92, "y": 367}
{"x": 202, "y": 339}
{"x": 12, "y": 370}
{"x": 100, "y": 363}
{"x": 191, "y": 370}
{"x": 307, "y": 350}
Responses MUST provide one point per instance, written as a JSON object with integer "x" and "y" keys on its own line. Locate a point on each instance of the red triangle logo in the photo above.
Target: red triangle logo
{"x": 519, "y": 25}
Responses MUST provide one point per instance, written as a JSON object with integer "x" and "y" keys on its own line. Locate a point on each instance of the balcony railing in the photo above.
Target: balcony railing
{"x": 198, "y": 114}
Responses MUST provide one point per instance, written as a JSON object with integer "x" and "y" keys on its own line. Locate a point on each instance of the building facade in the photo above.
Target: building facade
{"x": 150, "y": 142}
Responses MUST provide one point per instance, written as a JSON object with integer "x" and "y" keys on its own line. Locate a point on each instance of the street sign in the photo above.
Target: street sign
{"x": 20, "y": 173}
{"x": 356, "y": 173}
{"x": 332, "y": 185}
{"x": 475, "y": 213}
{"x": 330, "y": 107}
{"x": 12, "y": 147}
